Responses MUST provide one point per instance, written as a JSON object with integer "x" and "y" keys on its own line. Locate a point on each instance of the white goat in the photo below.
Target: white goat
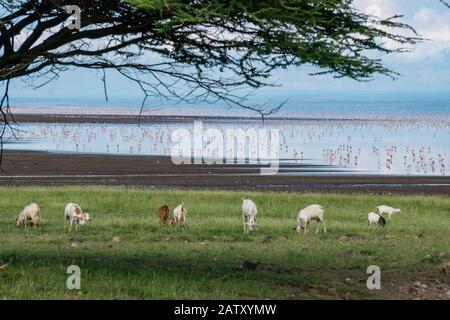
{"x": 312, "y": 212}
{"x": 73, "y": 213}
{"x": 32, "y": 213}
{"x": 389, "y": 210}
{"x": 249, "y": 213}
{"x": 179, "y": 215}
{"x": 374, "y": 217}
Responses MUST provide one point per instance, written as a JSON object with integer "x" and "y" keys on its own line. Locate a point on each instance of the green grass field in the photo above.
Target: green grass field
{"x": 204, "y": 259}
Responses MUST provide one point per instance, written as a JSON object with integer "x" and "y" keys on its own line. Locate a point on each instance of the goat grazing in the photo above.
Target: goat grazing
{"x": 163, "y": 214}
{"x": 179, "y": 215}
{"x": 312, "y": 212}
{"x": 73, "y": 213}
{"x": 172, "y": 222}
{"x": 32, "y": 213}
{"x": 374, "y": 217}
{"x": 249, "y": 213}
{"x": 389, "y": 210}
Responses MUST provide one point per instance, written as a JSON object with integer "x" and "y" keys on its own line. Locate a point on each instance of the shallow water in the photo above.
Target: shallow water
{"x": 409, "y": 147}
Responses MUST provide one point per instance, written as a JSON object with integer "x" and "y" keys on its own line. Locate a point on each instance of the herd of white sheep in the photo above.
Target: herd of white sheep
{"x": 75, "y": 216}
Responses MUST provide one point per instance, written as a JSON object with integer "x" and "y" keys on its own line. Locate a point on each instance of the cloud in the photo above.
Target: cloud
{"x": 434, "y": 26}
{"x": 431, "y": 21}
{"x": 380, "y": 8}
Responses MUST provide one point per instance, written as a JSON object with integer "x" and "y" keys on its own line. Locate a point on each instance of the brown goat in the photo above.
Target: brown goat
{"x": 163, "y": 214}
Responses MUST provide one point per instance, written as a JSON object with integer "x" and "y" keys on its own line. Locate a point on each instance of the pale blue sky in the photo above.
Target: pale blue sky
{"x": 426, "y": 68}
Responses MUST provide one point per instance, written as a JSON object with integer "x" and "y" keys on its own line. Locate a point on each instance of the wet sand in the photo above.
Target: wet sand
{"x": 48, "y": 169}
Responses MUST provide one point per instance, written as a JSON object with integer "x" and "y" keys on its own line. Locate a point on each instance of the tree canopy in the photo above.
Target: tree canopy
{"x": 196, "y": 50}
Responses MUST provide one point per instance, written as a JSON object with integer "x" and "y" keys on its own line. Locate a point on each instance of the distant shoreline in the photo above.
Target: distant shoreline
{"x": 145, "y": 118}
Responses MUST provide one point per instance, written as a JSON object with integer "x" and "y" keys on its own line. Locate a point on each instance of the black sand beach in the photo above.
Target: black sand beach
{"x": 48, "y": 169}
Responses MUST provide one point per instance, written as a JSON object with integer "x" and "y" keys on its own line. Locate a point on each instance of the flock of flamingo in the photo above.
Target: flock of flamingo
{"x": 418, "y": 146}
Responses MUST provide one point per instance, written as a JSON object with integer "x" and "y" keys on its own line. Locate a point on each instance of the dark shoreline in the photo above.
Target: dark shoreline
{"x": 21, "y": 168}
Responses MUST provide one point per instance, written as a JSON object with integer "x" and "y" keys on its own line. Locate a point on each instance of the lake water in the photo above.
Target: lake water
{"x": 300, "y": 105}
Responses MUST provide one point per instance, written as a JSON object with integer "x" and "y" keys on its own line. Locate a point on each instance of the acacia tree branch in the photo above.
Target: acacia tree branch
{"x": 199, "y": 50}
{"x": 5, "y": 111}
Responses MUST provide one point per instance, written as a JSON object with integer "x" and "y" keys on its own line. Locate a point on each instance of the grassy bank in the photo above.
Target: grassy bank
{"x": 205, "y": 259}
